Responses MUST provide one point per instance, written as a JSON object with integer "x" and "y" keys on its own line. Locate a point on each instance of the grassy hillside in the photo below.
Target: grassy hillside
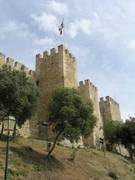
{"x": 27, "y": 161}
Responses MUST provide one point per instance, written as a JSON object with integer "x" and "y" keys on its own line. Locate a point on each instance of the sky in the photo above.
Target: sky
{"x": 100, "y": 34}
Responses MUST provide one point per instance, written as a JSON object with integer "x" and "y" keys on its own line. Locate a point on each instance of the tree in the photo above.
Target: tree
{"x": 2, "y": 116}
{"x": 128, "y": 136}
{"x": 18, "y": 96}
{"x": 112, "y": 132}
{"x": 69, "y": 116}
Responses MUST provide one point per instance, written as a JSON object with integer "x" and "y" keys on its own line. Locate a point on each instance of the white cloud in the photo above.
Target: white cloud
{"x": 57, "y": 7}
{"x": 83, "y": 25}
{"x": 46, "y": 22}
{"x": 112, "y": 26}
{"x": 12, "y": 26}
{"x": 131, "y": 45}
{"x": 50, "y": 23}
{"x": 44, "y": 41}
{"x": 19, "y": 29}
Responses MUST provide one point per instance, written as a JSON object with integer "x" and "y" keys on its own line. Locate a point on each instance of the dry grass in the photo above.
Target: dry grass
{"x": 27, "y": 162}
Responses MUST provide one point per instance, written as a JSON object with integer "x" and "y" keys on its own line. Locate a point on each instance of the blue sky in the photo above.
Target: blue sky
{"x": 100, "y": 34}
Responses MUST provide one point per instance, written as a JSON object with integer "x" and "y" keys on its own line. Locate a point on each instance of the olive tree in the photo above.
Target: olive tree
{"x": 18, "y": 96}
{"x": 70, "y": 116}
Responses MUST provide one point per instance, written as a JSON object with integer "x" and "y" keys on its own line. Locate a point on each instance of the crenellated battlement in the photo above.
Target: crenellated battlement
{"x": 10, "y": 62}
{"x": 18, "y": 66}
{"x": 108, "y": 99}
{"x": 2, "y": 59}
{"x": 45, "y": 54}
{"x": 81, "y": 83}
{"x": 53, "y": 51}
{"x": 39, "y": 56}
{"x": 87, "y": 83}
{"x": 31, "y": 73}
{"x": 109, "y": 109}
{"x": 15, "y": 65}
{"x": 2, "y": 55}
{"x": 101, "y": 99}
{"x": 56, "y": 68}
{"x": 56, "y": 52}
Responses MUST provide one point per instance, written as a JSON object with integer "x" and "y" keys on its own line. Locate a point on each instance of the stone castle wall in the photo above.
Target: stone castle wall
{"x": 89, "y": 92}
{"x": 25, "y": 131}
{"x": 53, "y": 70}
{"x": 14, "y": 65}
{"x": 109, "y": 109}
{"x": 56, "y": 69}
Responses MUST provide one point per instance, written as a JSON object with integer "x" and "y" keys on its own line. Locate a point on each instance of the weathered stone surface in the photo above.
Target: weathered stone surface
{"x": 26, "y": 129}
{"x": 53, "y": 70}
{"x": 109, "y": 109}
{"x": 89, "y": 92}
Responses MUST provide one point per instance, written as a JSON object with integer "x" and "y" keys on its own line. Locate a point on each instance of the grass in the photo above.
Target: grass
{"x": 27, "y": 162}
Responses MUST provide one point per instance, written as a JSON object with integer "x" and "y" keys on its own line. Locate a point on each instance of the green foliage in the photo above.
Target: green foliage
{"x": 70, "y": 115}
{"x": 121, "y": 133}
{"x": 37, "y": 168}
{"x": 73, "y": 154}
{"x": 1, "y": 165}
{"x": 18, "y": 95}
{"x": 13, "y": 173}
{"x": 128, "y": 131}
{"x": 128, "y": 135}
{"x": 112, "y": 132}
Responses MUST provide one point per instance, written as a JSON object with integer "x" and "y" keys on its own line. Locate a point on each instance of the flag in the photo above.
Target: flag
{"x": 61, "y": 28}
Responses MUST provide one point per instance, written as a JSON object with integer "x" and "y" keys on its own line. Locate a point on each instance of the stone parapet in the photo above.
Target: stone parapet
{"x": 87, "y": 82}
{"x": 108, "y": 99}
{"x": 60, "y": 50}
{"x": 15, "y": 65}
{"x": 109, "y": 109}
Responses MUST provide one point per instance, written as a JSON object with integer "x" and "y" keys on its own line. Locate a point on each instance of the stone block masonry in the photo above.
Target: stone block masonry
{"x": 89, "y": 92}
{"x": 26, "y": 129}
{"x": 109, "y": 109}
{"x": 15, "y": 65}
{"x": 54, "y": 69}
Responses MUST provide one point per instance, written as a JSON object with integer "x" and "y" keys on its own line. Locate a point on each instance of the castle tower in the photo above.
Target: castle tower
{"x": 2, "y": 59}
{"x": 53, "y": 70}
{"x": 109, "y": 109}
{"x": 89, "y": 92}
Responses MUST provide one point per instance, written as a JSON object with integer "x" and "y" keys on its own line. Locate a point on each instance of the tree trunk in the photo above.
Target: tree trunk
{"x": 7, "y": 153}
{"x": 2, "y": 130}
{"x": 119, "y": 149}
{"x": 14, "y": 131}
{"x": 73, "y": 154}
{"x": 130, "y": 153}
{"x": 53, "y": 146}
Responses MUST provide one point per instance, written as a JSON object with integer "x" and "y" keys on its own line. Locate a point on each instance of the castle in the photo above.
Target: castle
{"x": 109, "y": 109}
{"x": 56, "y": 69}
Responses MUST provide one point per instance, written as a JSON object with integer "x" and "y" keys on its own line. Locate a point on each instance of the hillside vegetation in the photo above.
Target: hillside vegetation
{"x": 27, "y": 161}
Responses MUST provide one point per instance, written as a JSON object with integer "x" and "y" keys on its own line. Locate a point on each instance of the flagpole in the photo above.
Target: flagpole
{"x": 61, "y": 30}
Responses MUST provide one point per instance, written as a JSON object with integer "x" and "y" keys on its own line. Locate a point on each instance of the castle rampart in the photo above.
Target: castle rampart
{"x": 14, "y": 65}
{"x": 48, "y": 55}
{"x": 109, "y": 109}
{"x": 26, "y": 130}
{"x": 89, "y": 92}
{"x": 2, "y": 59}
{"x": 54, "y": 69}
